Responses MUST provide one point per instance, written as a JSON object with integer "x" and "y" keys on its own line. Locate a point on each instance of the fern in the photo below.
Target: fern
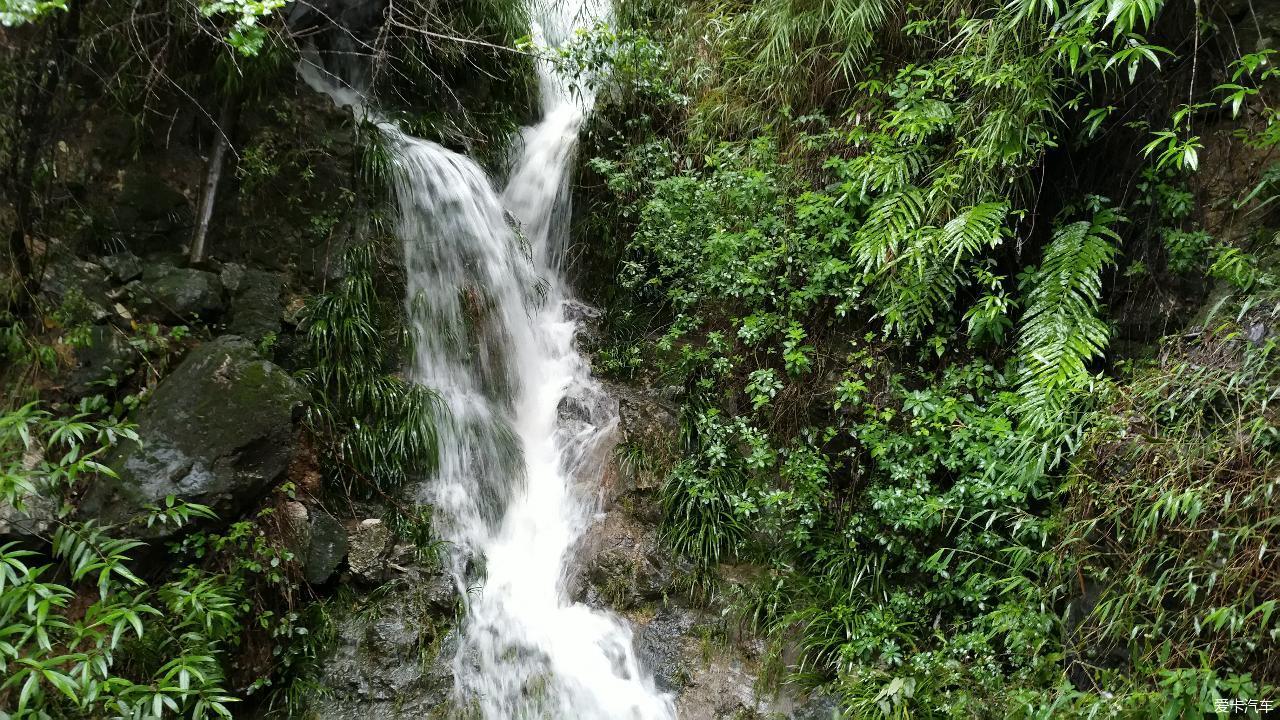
{"x": 892, "y": 223}
{"x": 1062, "y": 331}
{"x": 967, "y": 233}
{"x": 917, "y": 268}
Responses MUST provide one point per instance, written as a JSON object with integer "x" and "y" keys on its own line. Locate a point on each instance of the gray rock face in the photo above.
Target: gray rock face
{"x": 178, "y": 295}
{"x": 713, "y": 674}
{"x": 817, "y": 706}
{"x": 326, "y": 546}
{"x": 659, "y": 646}
{"x": 219, "y": 431}
{"x": 647, "y": 417}
{"x": 647, "y": 421}
{"x": 392, "y": 657}
{"x": 34, "y": 514}
{"x": 80, "y": 286}
{"x": 623, "y": 566}
{"x": 108, "y": 355}
{"x": 256, "y": 308}
{"x": 370, "y": 544}
{"x": 124, "y": 266}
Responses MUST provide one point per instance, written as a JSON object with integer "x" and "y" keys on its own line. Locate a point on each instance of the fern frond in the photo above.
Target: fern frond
{"x": 917, "y": 268}
{"x": 967, "y": 233}
{"x": 891, "y": 224}
{"x": 1062, "y": 331}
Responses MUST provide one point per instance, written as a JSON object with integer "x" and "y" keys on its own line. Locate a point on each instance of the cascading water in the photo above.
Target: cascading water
{"x": 525, "y": 420}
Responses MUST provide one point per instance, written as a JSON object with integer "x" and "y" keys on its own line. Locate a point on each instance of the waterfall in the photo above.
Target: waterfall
{"x": 521, "y": 442}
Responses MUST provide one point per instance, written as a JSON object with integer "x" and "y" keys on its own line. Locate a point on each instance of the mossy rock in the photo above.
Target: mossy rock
{"x": 392, "y": 656}
{"x": 105, "y": 359}
{"x": 256, "y": 306}
{"x": 178, "y": 295}
{"x": 218, "y": 431}
{"x": 80, "y": 289}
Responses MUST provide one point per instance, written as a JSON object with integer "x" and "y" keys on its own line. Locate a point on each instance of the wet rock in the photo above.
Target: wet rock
{"x": 124, "y": 266}
{"x": 580, "y": 312}
{"x": 369, "y": 543}
{"x": 714, "y": 676}
{"x": 326, "y": 546}
{"x": 317, "y": 540}
{"x": 722, "y": 689}
{"x": 256, "y": 307}
{"x": 80, "y": 288}
{"x": 219, "y": 431}
{"x": 817, "y": 706}
{"x": 108, "y": 356}
{"x": 589, "y": 331}
{"x": 392, "y": 657}
{"x": 34, "y": 513}
{"x": 231, "y": 275}
{"x": 178, "y": 295}
{"x": 646, "y": 416}
{"x": 572, "y": 410}
{"x": 659, "y": 646}
{"x": 623, "y": 566}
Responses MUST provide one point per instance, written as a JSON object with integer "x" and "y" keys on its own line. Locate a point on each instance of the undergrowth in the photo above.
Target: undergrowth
{"x": 885, "y": 251}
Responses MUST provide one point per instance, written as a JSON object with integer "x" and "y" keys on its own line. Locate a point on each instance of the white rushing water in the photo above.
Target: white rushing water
{"x": 521, "y": 444}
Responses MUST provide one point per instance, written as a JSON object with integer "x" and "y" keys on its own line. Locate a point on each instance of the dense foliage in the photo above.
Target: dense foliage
{"x": 882, "y": 248}
{"x": 971, "y": 305}
{"x": 377, "y": 428}
{"x": 83, "y": 634}
{"x": 221, "y": 618}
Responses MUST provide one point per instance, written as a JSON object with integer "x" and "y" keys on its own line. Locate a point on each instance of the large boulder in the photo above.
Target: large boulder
{"x": 256, "y": 305}
{"x": 80, "y": 289}
{"x": 178, "y": 295}
{"x": 392, "y": 655}
{"x": 218, "y": 431}
{"x": 103, "y": 360}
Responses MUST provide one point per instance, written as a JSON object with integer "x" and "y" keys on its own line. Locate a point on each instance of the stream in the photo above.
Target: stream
{"x": 523, "y": 440}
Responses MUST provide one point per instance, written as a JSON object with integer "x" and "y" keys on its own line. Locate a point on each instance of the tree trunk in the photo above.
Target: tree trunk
{"x": 209, "y": 192}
